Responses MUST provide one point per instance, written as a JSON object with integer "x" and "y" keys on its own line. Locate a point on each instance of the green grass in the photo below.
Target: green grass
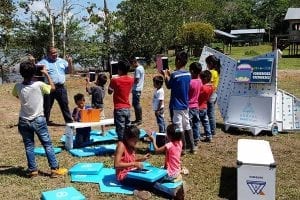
{"x": 212, "y": 171}
{"x": 245, "y": 52}
{"x": 284, "y": 63}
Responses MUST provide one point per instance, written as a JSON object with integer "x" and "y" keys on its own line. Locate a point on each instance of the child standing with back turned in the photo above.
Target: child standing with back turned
{"x": 32, "y": 120}
{"x": 120, "y": 87}
{"x": 214, "y": 66}
{"x": 158, "y": 102}
{"x": 205, "y": 94}
{"x": 195, "y": 88}
{"x": 179, "y": 83}
{"x": 98, "y": 94}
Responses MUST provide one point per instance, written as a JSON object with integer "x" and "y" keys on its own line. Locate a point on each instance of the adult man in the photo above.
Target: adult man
{"x": 139, "y": 75}
{"x": 57, "y": 69}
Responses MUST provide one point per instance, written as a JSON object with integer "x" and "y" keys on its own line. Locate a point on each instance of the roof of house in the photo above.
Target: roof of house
{"x": 292, "y": 13}
{"x": 225, "y": 34}
{"x": 247, "y": 31}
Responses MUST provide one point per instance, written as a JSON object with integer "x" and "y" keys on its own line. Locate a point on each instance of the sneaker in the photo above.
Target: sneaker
{"x": 142, "y": 194}
{"x": 58, "y": 172}
{"x": 32, "y": 174}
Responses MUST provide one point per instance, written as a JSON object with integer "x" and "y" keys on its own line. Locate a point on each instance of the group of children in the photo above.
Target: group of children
{"x": 193, "y": 95}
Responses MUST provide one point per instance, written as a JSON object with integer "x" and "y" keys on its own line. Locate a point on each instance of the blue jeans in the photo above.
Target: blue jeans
{"x": 205, "y": 123}
{"x": 160, "y": 121}
{"x": 27, "y": 128}
{"x": 136, "y": 95}
{"x": 195, "y": 123}
{"x": 122, "y": 119}
{"x": 82, "y": 137}
{"x": 211, "y": 112}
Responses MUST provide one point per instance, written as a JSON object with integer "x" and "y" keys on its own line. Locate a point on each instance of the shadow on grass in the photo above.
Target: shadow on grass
{"x": 9, "y": 170}
{"x": 228, "y": 186}
{"x": 19, "y": 171}
{"x": 241, "y": 131}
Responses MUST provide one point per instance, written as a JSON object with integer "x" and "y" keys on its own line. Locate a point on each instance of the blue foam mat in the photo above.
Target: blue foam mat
{"x": 93, "y": 151}
{"x": 68, "y": 193}
{"x": 86, "y": 178}
{"x": 153, "y": 175}
{"x": 109, "y": 183}
{"x": 41, "y": 151}
{"x": 86, "y": 168}
{"x": 168, "y": 187}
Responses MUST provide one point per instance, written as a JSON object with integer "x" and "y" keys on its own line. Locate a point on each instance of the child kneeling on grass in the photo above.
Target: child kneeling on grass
{"x": 173, "y": 150}
{"x": 125, "y": 161}
{"x": 32, "y": 120}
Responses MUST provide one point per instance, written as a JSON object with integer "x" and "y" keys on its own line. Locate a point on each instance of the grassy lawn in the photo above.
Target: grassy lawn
{"x": 212, "y": 170}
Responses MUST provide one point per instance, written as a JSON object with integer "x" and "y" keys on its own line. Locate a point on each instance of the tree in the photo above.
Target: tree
{"x": 149, "y": 26}
{"x": 195, "y": 34}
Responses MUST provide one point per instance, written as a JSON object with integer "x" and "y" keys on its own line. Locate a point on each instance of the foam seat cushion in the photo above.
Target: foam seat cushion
{"x": 109, "y": 183}
{"x": 93, "y": 151}
{"x": 41, "y": 151}
{"x": 154, "y": 174}
{"x": 86, "y": 168}
{"x": 68, "y": 193}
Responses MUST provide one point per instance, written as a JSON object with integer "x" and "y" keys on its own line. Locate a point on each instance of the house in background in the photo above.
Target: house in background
{"x": 226, "y": 39}
{"x": 291, "y": 40}
{"x": 248, "y": 36}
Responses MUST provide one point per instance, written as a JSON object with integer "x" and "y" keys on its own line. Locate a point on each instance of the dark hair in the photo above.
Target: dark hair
{"x": 27, "y": 69}
{"x": 159, "y": 80}
{"x": 123, "y": 66}
{"x": 213, "y": 61}
{"x": 102, "y": 79}
{"x": 173, "y": 133}
{"x": 131, "y": 131}
{"x": 181, "y": 58}
{"x": 78, "y": 97}
{"x": 205, "y": 76}
{"x": 195, "y": 68}
{"x": 132, "y": 59}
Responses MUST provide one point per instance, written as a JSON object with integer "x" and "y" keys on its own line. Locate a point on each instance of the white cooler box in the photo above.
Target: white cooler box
{"x": 256, "y": 170}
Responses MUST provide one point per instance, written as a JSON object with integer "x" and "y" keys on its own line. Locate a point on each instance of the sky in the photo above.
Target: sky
{"x": 79, "y": 6}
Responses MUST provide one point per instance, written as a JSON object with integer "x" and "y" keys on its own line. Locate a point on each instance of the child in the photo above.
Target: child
{"x": 121, "y": 87}
{"x": 139, "y": 75}
{"x": 158, "y": 102}
{"x": 82, "y": 137}
{"x": 179, "y": 83}
{"x": 125, "y": 160}
{"x": 98, "y": 94}
{"x": 172, "y": 151}
{"x": 195, "y": 87}
{"x": 205, "y": 94}
{"x": 214, "y": 65}
{"x": 32, "y": 120}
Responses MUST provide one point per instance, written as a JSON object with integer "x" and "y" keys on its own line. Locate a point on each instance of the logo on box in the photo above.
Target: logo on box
{"x": 256, "y": 187}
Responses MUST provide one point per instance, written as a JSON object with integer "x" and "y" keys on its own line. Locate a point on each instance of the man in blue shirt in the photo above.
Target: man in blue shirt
{"x": 179, "y": 83}
{"x": 139, "y": 75}
{"x": 57, "y": 69}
